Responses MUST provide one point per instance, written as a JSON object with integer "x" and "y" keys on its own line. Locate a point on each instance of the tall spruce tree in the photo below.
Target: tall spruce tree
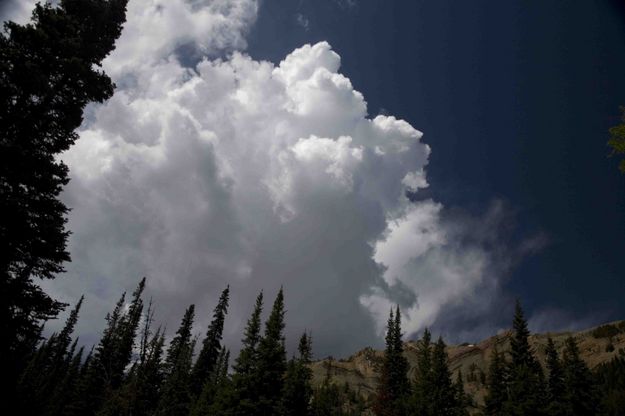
{"x": 580, "y": 392}
{"x": 497, "y": 383}
{"x": 105, "y": 371}
{"x": 211, "y": 345}
{"x": 393, "y": 385}
{"x": 48, "y": 74}
{"x": 217, "y": 384}
{"x": 271, "y": 361}
{"x": 175, "y": 398}
{"x": 443, "y": 398}
{"x": 555, "y": 382}
{"x": 297, "y": 391}
{"x": 48, "y": 367}
{"x": 419, "y": 401}
{"x": 246, "y": 375}
{"x": 526, "y": 392}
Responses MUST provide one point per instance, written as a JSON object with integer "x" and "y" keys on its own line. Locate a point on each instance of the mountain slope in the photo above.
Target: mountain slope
{"x": 597, "y": 345}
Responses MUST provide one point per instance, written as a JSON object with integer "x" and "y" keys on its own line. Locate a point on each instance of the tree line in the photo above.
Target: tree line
{"x": 517, "y": 384}
{"x": 131, "y": 371}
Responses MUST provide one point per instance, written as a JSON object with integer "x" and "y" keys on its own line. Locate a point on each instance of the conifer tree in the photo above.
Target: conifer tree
{"x": 555, "y": 382}
{"x": 297, "y": 394}
{"x": 526, "y": 383}
{"x": 443, "y": 394}
{"x": 48, "y": 74}
{"x": 393, "y": 386}
{"x": 271, "y": 361}
{"x": 105, "y": 372}
{"x": 245, "y": 377}
{"x": 175, "y": 395}
{"x": 578, "y": 382}
{"x": 497, "y": 394}
{"x": 211, "y": 346}
{"x": 217, "y": 383}
{"x": 462, "y": 399}
{"x": 419, "y": 401}
{"x": 48, "y": 367}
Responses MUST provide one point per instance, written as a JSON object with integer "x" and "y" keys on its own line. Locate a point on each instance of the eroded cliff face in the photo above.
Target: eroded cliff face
{"x": 361, "y": 369}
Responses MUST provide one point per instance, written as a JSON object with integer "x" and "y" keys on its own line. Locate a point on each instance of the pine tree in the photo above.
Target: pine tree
{"x": 555, "y": 382}
{"x": 48, "y": 74}
{"x": 526, "y": 384}
{"x": 462, "y": 399}
{"x": 217, "y": 382}
{"x": 419, "y": 401}
{"x": 211, "y": 346}
{"x": 393, "y": 386}
{"x": 443, "y": 394}
{"x": 245, "y": 377}
{"x": 497, "y": 394}
{"x": 48, "y": 367}
{"x": 105, "y": 372}
{"x": 271, "y": 361}
{"x": 580, "y": 391}
{"x": 297, "y": 393}
{"x": 176, "y": 395}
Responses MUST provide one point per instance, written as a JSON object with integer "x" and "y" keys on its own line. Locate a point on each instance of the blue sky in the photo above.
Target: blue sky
{"x": 515, "y": 99}
{"x": 446, "y": 156}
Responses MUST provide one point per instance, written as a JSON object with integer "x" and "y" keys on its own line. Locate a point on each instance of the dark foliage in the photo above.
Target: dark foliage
{"x": 48, "y": 74}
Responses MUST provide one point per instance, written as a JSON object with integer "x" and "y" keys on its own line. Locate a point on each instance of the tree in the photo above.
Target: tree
{"x": 271, "y": 361}
{"x": 297, "y": 392}
{"x": 555, "y": 382}
{"x": 526, "y": 382}
{"x": 48, "y": 367}
{"x": 175, "y": 394}
{"x": 497, "y": 394}
{"x": 443, "y": 395}
{"x": 393, "y": 385}
{"x": 217, "y": 383}
{"x": 578, "y": 382}
{"x": 105, "y": 371}
{"x": 48, "y": 74}
{"x": 422, "y": 382}
{"x": 211, "y": 345}
{"x": 617, "y": 140}
{"x": 245, "y": 375}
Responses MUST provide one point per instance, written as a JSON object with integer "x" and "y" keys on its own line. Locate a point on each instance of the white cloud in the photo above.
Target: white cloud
{"x": 258, "y": 175}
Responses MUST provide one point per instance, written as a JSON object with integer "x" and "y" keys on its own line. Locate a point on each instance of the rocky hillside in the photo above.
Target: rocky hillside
{"x": 597, "y": 345}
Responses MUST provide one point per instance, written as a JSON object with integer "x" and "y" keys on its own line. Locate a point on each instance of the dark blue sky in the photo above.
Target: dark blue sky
{"x": 515, "y": 98}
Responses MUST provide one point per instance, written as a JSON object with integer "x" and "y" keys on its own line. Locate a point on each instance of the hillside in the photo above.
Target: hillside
{"x": 597, "y": 345}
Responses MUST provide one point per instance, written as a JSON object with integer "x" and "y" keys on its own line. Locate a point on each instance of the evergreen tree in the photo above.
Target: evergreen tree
{"x": 526, "y": 383}
{"x": 297, "y": 393}
{"x": 610, "y": 380}
{"x": 393, "y": 386}
{"x": 271, "y": 361}
{"x": 66, "y": 388}
{"x": 578, "y": 382}
{"x": 497, "y": 394}
{"x": 211, "y": 346}
{"x": 176, "y": 395}
{"x": 105, "y": 372}
{"x": 48, "y": 367}
{"x": 217, "y": 382}
{"x": 443, "y": 394}
{"x": 555, "y": 382}
{"x": 422, "y": 383}
{"x": 245, "y": 377}
{"x": 48, "y": 74}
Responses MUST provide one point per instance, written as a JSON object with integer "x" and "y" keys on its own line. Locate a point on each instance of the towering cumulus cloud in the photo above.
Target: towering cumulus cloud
{"x": 236, "y": 171}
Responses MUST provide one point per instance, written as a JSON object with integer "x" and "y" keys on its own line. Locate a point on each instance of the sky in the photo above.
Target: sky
{"x": 445, "y": 156}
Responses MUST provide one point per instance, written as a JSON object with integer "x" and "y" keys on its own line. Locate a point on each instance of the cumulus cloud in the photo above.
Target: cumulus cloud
{"x": 228, "y": 170}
